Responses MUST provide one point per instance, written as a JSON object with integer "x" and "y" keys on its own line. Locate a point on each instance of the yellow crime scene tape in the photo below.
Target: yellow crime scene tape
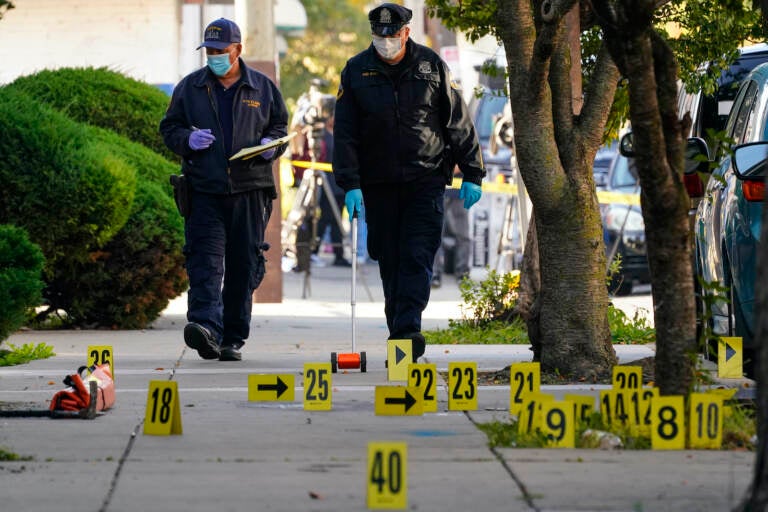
{"x": 499, "y": 187}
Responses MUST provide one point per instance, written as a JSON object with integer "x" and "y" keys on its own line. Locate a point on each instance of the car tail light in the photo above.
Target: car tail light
{"x": 753, "y": 190}
{"x": 693, "y": 185}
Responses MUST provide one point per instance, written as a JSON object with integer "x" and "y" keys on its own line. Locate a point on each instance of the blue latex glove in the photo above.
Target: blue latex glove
{"x": 267, "y": 155}
{"x": 353, "y": 200}
{"x": 470, "y": 193}
{"x": 201, "y": 139}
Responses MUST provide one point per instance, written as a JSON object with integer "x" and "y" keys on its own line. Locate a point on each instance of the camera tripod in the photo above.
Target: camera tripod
{"x": 299, "y": 232}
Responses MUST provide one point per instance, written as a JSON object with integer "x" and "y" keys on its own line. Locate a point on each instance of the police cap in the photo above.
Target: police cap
{"x": 388, "y": 18}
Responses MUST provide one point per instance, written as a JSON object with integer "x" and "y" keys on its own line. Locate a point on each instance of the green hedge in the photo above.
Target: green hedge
{"x": 67, "y": 189}
{"x": 129, "y": 282}
{"x": 149, "y": 165}
{"x": 21, "y": 263}
{"x": 99, "y": 204}
{"x": 104, "y": 98}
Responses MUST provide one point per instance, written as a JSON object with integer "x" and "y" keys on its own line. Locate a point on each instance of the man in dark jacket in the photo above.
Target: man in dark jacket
{"x": 215, "y": 112}
{"x": 401, "y": 124}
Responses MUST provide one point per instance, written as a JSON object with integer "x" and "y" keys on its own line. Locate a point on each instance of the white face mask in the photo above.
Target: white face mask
{"x": 388, "y": 47}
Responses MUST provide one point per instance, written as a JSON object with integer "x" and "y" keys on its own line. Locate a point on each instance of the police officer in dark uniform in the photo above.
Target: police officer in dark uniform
{"x": 401, "y": 125}
{"x": 215, "y": 112}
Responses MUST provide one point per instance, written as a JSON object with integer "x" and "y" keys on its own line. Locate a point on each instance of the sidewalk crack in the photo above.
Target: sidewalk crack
{"x": 129, "y": 447}
{"x": 520, "y": 485}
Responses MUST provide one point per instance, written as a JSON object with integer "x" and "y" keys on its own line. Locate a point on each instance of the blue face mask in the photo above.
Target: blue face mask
{"x": 219, "y": 64}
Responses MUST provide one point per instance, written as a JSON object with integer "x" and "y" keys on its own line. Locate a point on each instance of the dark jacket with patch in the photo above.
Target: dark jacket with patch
{"x": 259, "y": 111}
{"x": 389, "y": 131}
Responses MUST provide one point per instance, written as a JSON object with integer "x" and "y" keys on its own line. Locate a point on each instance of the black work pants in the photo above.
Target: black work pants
{"x": 405, "y": 222}
{"x": 224, "y": 235}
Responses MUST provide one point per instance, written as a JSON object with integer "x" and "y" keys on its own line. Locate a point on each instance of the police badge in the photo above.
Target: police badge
{"x": 385, "y": 16}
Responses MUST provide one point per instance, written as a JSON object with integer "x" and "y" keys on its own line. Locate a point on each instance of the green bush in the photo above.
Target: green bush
{"x": 69, "y": 191}
{"x": 21, "y": 263}
{"x": 149, "y": 165}
{"x": 129, "y": 282}
{"x": 105, "y": 98}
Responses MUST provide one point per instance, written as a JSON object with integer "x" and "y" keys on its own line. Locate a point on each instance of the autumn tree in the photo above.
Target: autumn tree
{"x": 555, "y": 161}
{"x": 555, "y": 157}
{"x": 336, "y": 30}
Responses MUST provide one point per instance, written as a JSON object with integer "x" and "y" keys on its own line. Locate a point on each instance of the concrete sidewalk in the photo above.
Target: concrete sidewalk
{"x": 236, "y": 455}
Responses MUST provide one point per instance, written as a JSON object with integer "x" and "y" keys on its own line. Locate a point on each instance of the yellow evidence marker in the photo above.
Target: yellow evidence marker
{"x": 583, "y": 405}
{"x": 270, "y": 387}
{"x": 730, "y": 358}
{"x": 557, "y": 424}
{"x": 398, "y": 401}
{"x": 317, "y": 386}
{"x": 627, "y": 377}
{"x": 668, "y": 423}
{"x": 424, "y": 377}
{"x": 387, "y": 475}
{"x": 399, "y": 356}
{"x": 529, "y": 419}
{"x": 462, "y": 386}
{"x": 640, "y": 410}
{"x": 101, "y": 354}
{"x": 163, "y": 414}
{"x": 613, "y": 407}
{"x": 705, "y": 421}
{"x": 524, "y": 379}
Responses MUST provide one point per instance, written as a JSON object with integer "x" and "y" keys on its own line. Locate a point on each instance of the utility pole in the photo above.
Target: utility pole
{"x": 259, "y": 52}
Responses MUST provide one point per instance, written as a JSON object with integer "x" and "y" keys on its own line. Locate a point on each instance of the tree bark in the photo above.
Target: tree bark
{"x": 555, "y": 157}
{"x": 528, "y": 304}
{"x": 647, "y": 61}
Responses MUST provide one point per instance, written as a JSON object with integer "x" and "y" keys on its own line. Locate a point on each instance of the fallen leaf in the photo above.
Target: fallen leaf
{"x": 314, "y": 495}
{"x": 159, "y": 369}
{"x": 51, "y": 383}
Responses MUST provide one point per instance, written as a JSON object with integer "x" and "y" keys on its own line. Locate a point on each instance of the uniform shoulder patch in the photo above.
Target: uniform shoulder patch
{"x": 425, "y": 67}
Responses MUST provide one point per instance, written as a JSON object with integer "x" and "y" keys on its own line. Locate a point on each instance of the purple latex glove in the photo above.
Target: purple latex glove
{"x": 201, "y": 139}
{"x": 267, "y": 155}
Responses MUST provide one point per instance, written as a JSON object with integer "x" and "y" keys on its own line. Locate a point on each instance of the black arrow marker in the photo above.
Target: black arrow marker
{"x": 280, "y": 387}
{"x": 407, "y": 401}
{"x": 399, "y": 355}
{"x": 729, "y": 352}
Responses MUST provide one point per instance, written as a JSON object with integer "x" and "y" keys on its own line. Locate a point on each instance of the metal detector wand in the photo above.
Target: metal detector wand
{"x": 354, "y": 274}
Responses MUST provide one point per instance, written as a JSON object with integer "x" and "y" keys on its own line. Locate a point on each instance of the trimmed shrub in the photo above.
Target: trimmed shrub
{"x": 149, "y": 165}
{"x": 105, "y": 98}
{"x": 67, "y": 189}
{"x": 129, "y": 282}
{"x": 21, "y": 263}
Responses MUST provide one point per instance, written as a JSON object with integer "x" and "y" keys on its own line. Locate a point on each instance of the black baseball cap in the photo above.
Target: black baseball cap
{"x": 388, "y": 18}
{"x": 220, "y": 33}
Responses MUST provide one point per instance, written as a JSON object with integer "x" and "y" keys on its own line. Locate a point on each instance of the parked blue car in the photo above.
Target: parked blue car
{"x": 728, "y": 218}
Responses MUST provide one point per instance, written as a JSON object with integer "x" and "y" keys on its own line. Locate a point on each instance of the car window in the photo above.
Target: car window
{"x": 489, "y": 108}
{"x": 624, "y": 173}
{"x": 741, "y": 120}
{"x": 711, "y": 112}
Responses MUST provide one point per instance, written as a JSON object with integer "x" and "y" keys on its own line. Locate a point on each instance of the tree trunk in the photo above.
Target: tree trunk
{"x": 575, "y": 338}
{"x": 555, "y": 151}
{"x": 528, "y": 303}
{"x": 647, "y": 61}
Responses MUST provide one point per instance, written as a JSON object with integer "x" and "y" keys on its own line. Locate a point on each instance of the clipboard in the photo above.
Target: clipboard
{"x": 251, "y": 152}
